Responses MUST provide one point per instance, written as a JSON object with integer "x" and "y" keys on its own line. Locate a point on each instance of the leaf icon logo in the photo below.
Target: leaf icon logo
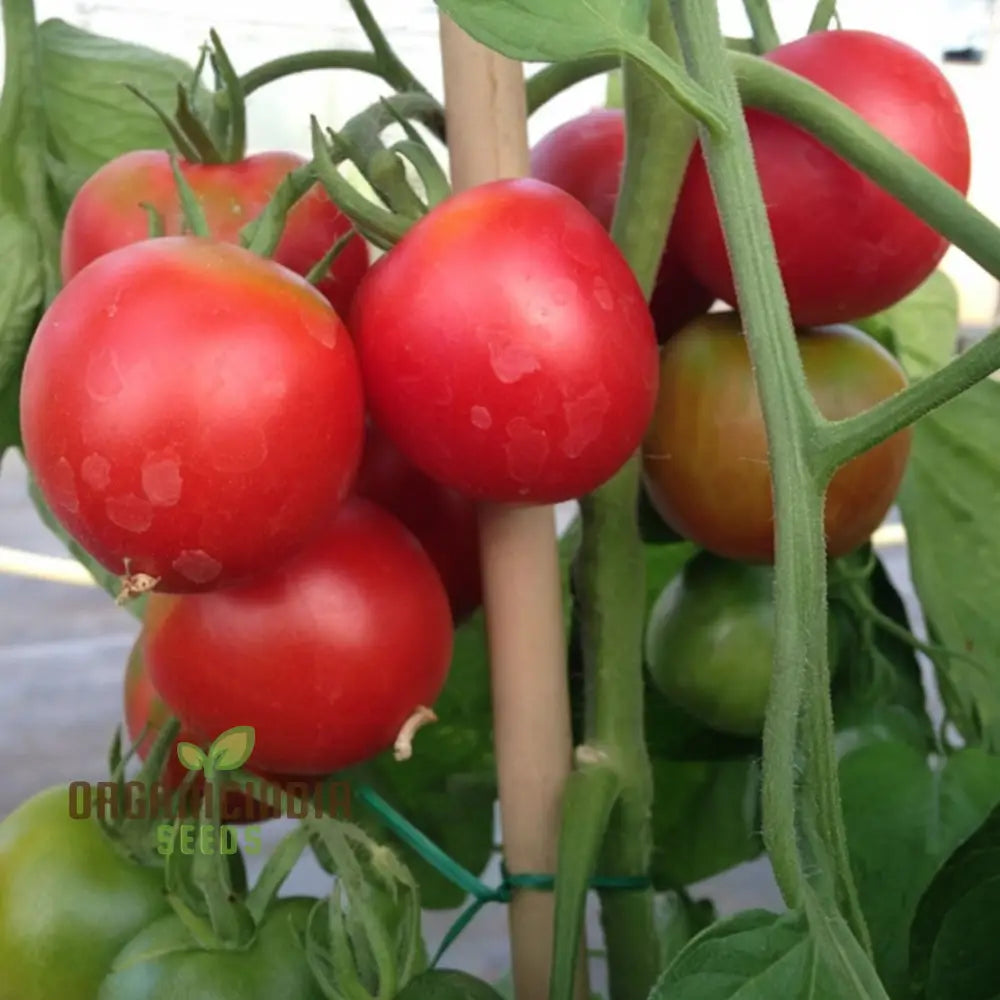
{"x": 192, "y": 757}
{"x": 232, "y": 748}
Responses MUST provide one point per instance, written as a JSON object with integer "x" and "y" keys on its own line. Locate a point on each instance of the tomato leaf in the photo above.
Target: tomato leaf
{"x": 921, "y": 329}
{"x": 191, "y": 756}
{"x": 92, "y": 117}
{"x": 951, "y": 915}
{"x": 948, "y": 502}
{"x": 560, "y": 30}
{"x": 706, "y": 818}
{"x": 758, "y": 955}
{"x": 904, "y": 816}
{"x": 232, "y": 748}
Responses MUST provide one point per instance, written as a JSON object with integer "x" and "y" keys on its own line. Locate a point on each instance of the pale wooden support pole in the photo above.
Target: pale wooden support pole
{"x": 487, "y": 139}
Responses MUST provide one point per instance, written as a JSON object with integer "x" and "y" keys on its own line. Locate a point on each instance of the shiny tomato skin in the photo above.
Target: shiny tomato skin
{"x": 145, "y": 708}
{"x": 584, "y": 157}
{"x": 845, "y": 247}
{"x": 107, "y": 213}
{"x": 506, "y": 347}
{"x": 193, "y": 409}
{"x": 327, "y": 656}
{"x": 444, "y": 522}
{"x": 68, "y": 901}
{"x": 705, "y": 456}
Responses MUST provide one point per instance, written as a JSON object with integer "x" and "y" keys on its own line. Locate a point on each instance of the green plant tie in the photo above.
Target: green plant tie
{"x": 464, "y": 879}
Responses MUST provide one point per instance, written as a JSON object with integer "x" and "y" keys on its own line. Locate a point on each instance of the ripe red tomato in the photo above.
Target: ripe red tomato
{"x": 506, "y": 347}
{"x": 191, "y": 411}
{"x": 584, "y": 157}
{"x": 443, "y": 521}
{"x": 107, "y": 213}
{"x": 705, "y": 456}
{"x": 145, "y": 709}
{"x": 326, "y": 657}
{"x": 846, "y": 248}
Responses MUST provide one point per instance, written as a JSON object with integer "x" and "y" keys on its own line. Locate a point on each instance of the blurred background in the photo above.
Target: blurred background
{"x": 63, "y": 643}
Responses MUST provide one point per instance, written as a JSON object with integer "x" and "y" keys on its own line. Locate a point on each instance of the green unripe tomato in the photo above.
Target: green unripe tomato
{"x": 710, "y": 642}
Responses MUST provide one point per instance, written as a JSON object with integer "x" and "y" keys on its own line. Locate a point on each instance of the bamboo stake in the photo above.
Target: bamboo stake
{"x": 487, "y": 139}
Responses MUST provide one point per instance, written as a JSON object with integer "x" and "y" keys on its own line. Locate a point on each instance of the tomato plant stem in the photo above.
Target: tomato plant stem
{"x": 824, "y": 12}
{"x": 552, "y": 80}
{"x": 803, "y": 832}
{"x": 765, "y": 34}
{"x": 610, "y": 569}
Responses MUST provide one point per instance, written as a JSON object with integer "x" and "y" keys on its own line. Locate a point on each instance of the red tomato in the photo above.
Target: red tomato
{"x": 444, "y": 522}
{"x": 191, "y": 410}
{"x": 144, "y": 707}
{"x": 506, "y": 347}
{"x": 326, "y": 657}
{"x": 107, "y": 213}
{"x": 846, "y": 248}
{"x": 706, "y": 456}
{"x": 584, "y": 157}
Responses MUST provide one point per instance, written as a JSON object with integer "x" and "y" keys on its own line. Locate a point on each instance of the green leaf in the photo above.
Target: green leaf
{"x": 904, "y": 816}
{"x": 706, "y": 818}
{"x": 923, "y": 327}
{"x": 92, "y": 117}
{"x": 757, "y": 955}
{"x": 678, "y": 920}
{"x": 877, "y": 688}
{"x": 561, "y": 30}
{"x": 954, "y": 903}
{"x": 949, "y": 502}
{"x": 191, "y": 756}
{"x": 231, "y": 749}
{"x": 22, "y": 295}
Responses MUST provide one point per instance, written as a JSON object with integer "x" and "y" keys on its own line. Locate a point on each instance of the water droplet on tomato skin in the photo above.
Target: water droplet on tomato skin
{"x": 481, "y": 418}
{"x": 161, "y": 480}
{"x": 197, "y": 566}
{"x": 527, "y": 449}
{"x": 103, "y": 378}
{"x": 584, "y": 420}
{"x": 95, "y": 470}
{"x": 62, "y": 487}
{"x": 129, "y": 512}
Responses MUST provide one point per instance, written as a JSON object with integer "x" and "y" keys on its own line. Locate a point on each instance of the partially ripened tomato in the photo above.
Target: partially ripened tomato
{"x": 327, "y": 656}
{"x": 191, "y": 411}
{"x": 846, "y": 248}
{"x": 444, "y": 521}
{"x": 108, "y": 213}
{"x": 706, "y": 457}
{"x": 584, "y": 156}
{"x": 506, "y": 347}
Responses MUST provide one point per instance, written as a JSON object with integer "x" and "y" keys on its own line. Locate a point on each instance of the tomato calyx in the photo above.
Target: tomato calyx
{"x": 373, "y": 911}
{"x": 402, "y": 749}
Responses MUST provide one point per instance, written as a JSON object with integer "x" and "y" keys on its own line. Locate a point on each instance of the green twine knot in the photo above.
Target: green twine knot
{"x": 464, "y": 879}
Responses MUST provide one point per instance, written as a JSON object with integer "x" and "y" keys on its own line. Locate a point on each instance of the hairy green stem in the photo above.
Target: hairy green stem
{"x": 824, "y": 13}
{"x": 303, "y": 62}
{"x": 610, "y": 571}
{"x": 774, "y": 89}
{"x": 800, "y": 684}
{"x": 590, "y": 795}
{"x": 765, "y": 34}
{"x": 394, "y": 70}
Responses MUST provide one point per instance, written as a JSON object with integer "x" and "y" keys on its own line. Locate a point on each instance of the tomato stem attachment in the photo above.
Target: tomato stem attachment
{"x": 422, "y": 716}
{"x": 803, "y": 829}
{"x": 824, "y": 13}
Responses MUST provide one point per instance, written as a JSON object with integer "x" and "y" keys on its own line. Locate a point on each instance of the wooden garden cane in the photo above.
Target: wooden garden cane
{"x": 487, "y": 139}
